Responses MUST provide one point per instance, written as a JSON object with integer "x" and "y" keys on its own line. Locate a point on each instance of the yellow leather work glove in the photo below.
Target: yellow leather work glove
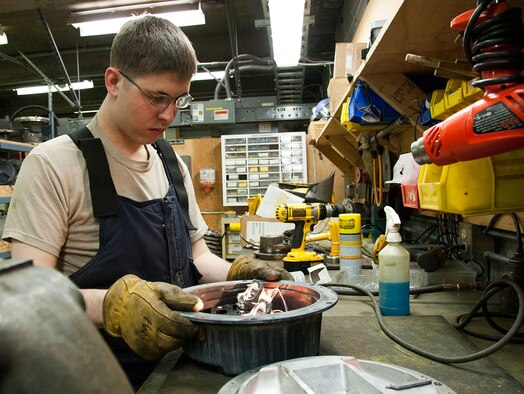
{"x": 143, "y": 313}
{"x": 244, "y": 268}
{"x": 380, "y": 244}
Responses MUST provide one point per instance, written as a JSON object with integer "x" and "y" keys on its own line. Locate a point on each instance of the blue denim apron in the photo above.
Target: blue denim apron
{"x": 149, "y": 239}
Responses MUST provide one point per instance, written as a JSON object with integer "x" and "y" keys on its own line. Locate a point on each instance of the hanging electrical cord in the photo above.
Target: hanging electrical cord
{"x": 517, "y": 224}
{"x": 372, "y": 226}
{"x": 427, "y": 233}
{"x": 249, "y": 244}
{"x": 514, "y": 272}
{"x": 492, "y": 289}
{"x": 495, "y": 44}
{"x": 463, "y": 320}
{"x": 225, "y": 233}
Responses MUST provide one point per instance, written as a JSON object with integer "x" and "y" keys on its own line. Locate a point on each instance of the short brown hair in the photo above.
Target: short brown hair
{"x": 149, "y": 44}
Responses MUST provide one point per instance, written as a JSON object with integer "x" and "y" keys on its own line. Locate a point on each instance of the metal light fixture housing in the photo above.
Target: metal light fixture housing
{"x": 109, "y": 20}
{"x": 3, "y": 36}
{"x": 287, "y": 23}
{"x": 236, "y": 343}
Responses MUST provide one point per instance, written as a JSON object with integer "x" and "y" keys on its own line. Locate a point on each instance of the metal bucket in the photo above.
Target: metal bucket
{"x": 237, "y": 343}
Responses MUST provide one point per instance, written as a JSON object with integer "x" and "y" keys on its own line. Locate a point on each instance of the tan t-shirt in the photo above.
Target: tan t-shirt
{"x": 51, "y": 206}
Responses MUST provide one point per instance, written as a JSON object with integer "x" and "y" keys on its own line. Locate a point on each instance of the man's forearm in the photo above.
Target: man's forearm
{"x": 215, "y": 269}
{"x": 212, "y": 267}
{"x": 94, "y": 299}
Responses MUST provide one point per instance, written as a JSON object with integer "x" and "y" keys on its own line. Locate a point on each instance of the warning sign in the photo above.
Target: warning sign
{"x": 221, "y": 114}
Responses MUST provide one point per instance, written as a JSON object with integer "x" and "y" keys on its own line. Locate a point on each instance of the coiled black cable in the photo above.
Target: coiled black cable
{"x": 460, "y": 324}
{"x": 505, "y": 29}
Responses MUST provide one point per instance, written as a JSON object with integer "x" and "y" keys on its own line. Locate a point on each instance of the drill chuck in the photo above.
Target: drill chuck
{"x": 334, "y": 210}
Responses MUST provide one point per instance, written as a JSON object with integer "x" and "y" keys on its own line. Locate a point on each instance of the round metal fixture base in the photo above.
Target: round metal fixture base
{"x": 237, "y": 343}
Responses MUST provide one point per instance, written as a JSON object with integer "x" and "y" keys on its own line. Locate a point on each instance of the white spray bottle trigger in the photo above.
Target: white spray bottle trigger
{"x": 392, "y": 225}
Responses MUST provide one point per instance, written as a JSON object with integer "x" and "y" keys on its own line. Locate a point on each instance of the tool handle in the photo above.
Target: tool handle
{"x": 298, "y": 235}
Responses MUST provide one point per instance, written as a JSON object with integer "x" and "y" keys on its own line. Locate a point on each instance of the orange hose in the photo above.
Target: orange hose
{"x": 377, "y": 194}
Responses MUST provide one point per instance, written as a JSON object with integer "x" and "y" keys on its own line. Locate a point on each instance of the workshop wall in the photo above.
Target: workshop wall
{"x": 376, "y": 10}
{"x": 319, "y": 168}
{"x": 206, "y": 153}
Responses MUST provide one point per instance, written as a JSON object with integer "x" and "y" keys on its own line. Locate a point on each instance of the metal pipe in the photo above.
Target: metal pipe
{"x": 220, "y": 65}
{"x": 66, "y": 52}
{"x": 242, "y": 57}
{"x": 382, "y": 134}
{"x": 49, "y": 82}
{"x": 78, "y": 80}
{"x": 495, "y": 257}
{"x": 51, "y": 113}
{"x": 58, "y": 57}
{"x": 502, "y": 234}
{"x": 233, "y": 40}
{"x": 215, "y": 78}
{"x": 416, "y": 290}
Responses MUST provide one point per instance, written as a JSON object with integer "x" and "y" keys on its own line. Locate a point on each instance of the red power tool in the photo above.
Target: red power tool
{"x": 493, "y": 43}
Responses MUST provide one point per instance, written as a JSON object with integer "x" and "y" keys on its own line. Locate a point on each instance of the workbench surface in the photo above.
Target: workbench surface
{"x": 351, "y": 329}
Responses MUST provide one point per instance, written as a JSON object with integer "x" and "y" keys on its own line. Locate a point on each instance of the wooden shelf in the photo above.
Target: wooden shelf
{"x": 15, "y": 146}
{"x": 419, "y": 27}
{"x": 6, "y": 191}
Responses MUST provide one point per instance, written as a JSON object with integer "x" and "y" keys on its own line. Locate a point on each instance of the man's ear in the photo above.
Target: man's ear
{"x": 111, "y": 79}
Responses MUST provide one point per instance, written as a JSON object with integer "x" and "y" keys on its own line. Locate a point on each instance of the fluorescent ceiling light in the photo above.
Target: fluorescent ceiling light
{"x": 202, "y": 76}
{"x": 89, "y": 111}
{"x": 286, "y": 18}
{"x": 110, "y": 20}
{"x": 45, "y": 88}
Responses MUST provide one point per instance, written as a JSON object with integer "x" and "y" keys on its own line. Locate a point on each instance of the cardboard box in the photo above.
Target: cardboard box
{"x": 347, "y": 58}
{"x": 337, "y": 89}
{"x": 314, "y": 130}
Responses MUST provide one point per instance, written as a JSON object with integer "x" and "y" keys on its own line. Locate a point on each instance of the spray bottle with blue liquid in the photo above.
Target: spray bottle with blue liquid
{"x": 393, "y": 273}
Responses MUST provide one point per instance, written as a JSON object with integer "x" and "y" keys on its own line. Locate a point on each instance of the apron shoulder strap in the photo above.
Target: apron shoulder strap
{"x": 170, "y": 161}
{"x": 103, "y": 192}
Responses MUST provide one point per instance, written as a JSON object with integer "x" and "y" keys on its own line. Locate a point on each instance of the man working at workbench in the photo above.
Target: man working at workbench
{"x": 128, "y": 223}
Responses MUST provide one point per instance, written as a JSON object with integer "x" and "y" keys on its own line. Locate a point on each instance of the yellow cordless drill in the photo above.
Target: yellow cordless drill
{"x": 305, "y": 216}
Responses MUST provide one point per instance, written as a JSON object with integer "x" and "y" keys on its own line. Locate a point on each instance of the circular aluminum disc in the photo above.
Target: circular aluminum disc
{"x": 332, "y": 374}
